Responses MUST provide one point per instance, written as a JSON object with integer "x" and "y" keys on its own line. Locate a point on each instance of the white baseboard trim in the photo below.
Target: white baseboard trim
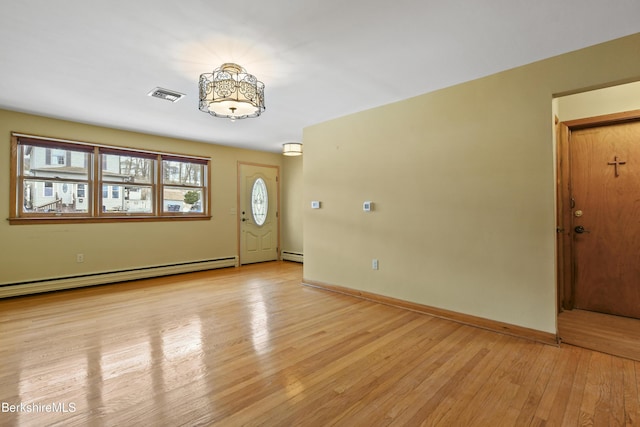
{"x": 55, "y": 284}
{"x": 292, "y": 256}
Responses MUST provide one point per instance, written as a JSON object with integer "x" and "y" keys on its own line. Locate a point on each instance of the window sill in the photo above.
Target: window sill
{"x": 105, "y": 219}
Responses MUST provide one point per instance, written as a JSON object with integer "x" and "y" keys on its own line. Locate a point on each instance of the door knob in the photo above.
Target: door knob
{"x": 580, "y": 229}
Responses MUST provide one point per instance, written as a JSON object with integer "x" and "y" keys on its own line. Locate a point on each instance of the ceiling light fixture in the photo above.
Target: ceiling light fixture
{"x": 231, "y": 92}
{"x": 292, "y": 149}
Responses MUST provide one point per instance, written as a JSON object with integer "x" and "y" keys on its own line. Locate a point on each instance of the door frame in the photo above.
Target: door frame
{"x": 238, "y": 197}
{"x": 564, "y": 244}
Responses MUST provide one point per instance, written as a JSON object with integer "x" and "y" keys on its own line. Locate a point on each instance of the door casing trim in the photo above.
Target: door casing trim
{"x": 238, "y": 216}
{"x": 564, "y": 243}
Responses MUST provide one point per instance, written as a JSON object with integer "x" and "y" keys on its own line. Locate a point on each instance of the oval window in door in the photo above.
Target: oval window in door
{"x": 259, "y": 201}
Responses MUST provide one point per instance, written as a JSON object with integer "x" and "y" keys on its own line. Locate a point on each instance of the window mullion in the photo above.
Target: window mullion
{"x": 96, "y": 180}
{"x": 15, "y": 169}
{"x": 160, "y": 186}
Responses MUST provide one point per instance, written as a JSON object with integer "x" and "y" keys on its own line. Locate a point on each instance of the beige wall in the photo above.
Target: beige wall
{"x": 462, "y": 181}
{"x": 34, "y": 252}
{"x": 599, "y": 102}
{"x": 292, "y": 204}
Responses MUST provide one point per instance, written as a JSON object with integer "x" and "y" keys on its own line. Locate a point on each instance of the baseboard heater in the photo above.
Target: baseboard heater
{"x": 292, "y": 256}
{"x": 69, "y": 282}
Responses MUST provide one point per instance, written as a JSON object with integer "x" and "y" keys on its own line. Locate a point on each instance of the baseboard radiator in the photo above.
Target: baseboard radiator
{"x": 292, "y": 256}
{"x": 70, "y": 282}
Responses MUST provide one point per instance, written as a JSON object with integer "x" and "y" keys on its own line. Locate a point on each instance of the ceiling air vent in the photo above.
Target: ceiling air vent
{"x": 169, "y": 95}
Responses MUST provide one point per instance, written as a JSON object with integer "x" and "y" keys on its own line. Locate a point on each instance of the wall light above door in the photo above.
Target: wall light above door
{"x": 292, "y": 149}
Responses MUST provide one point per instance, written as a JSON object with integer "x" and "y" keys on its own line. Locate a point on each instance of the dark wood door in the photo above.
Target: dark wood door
{"x": 605, "y": 192}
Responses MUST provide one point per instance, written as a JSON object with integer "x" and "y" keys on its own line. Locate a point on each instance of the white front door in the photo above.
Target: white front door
{"x": 258, "y": 213}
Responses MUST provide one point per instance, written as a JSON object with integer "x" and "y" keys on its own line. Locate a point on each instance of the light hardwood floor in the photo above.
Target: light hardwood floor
{"x": 602, "y": 332}
{"x": 252, "y": 346}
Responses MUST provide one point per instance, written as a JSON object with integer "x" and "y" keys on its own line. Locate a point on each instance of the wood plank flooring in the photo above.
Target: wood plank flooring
{"x": 251, "y": 346}
{"x": 615, "y": 335}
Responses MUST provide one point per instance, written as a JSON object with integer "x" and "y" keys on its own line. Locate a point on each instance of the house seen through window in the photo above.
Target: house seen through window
{"x": 54, "y": 179}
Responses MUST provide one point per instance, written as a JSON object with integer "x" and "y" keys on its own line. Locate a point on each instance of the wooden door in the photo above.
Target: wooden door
{"x": 258, "y": 207}
{"x": 605, "y": 218}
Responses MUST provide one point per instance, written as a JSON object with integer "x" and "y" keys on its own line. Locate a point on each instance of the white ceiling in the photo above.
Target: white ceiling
{"x": 94, "y": 61}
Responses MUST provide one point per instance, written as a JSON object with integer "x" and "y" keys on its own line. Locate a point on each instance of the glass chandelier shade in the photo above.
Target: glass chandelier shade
{"x": 231, "y": 92}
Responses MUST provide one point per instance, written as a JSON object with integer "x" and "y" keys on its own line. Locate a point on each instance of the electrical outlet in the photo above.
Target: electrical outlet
{"x": 79, "y": 258}
{"x": 374, "y": 264}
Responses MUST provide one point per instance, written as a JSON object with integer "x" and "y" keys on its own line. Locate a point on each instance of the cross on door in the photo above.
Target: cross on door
{"x": 616, "y": 163}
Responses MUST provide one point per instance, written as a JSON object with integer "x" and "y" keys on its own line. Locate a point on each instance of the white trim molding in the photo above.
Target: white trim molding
{"x": 56, "y": 284}
{"x": 292, "y": 256}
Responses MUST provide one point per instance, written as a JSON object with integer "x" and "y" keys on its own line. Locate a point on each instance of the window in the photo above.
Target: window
{"x": 48, "y": 189}
{"x": 54, "y": 157}
{"x": 64, "y": 180}
{"x": 183, "y": 185}
{"x": 259, "y": 201}
{"x": 47, "y": 184}
{"x": 132, "y": 182}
